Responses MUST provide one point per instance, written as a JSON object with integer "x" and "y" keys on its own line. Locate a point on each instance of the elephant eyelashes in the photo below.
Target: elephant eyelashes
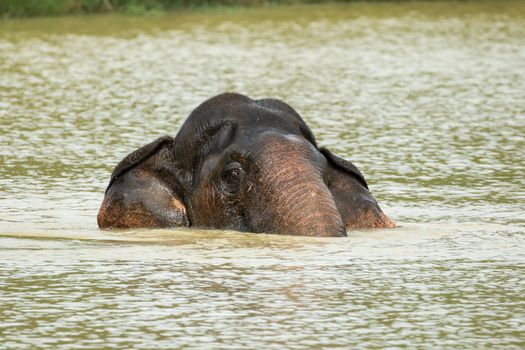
{"x": 231, "y": 177}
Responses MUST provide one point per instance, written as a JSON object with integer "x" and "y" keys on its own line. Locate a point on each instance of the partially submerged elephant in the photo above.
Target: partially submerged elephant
{"x": 243, "y": 165}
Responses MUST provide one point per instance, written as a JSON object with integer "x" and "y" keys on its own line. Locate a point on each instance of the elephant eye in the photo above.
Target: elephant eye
{"x": 232, "y": 176}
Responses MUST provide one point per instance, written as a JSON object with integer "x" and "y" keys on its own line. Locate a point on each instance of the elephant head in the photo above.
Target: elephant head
{"x": 243, "y": 165}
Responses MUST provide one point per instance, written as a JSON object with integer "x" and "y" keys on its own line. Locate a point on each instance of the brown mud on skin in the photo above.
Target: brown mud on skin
{"x": 129, "y": 216}
{"x": 141, "y": 200}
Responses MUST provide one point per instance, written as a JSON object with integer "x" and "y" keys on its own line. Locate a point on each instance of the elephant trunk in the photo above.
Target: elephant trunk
{"x": 291, "y": 191}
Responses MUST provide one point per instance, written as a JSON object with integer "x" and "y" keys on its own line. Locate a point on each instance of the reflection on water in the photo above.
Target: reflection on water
{"x": 209, "y": 288}
{"x": 427, "y": 99}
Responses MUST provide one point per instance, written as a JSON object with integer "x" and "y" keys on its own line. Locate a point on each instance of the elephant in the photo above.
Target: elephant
{"x": 245, "y": 165}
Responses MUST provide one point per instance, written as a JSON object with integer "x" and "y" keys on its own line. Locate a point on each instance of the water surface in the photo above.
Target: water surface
{"x": 427, "y": 99}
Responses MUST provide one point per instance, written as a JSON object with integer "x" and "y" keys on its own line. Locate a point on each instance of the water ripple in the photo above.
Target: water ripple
{"x": 427, "y": 99}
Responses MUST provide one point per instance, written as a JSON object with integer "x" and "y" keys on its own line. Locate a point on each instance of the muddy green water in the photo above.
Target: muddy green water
{"x": 427, "y": 99}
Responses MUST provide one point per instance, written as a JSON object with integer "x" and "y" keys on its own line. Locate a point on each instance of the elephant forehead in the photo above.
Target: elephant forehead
{"x": 286, "y": 148}
{"x": 233, "y": 119}
{"x": 249, "y": 118}
{"x": 216, "y": 136}
{"x": 256, "y": 124}
{"x": 277, "y": 139}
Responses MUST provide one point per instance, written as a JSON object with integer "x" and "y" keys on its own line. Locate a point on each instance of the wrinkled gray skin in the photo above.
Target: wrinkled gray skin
{"x": 243, "y": 165}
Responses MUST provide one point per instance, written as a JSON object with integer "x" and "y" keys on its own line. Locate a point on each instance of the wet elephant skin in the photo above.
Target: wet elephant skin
{"x": 240, "y": 164}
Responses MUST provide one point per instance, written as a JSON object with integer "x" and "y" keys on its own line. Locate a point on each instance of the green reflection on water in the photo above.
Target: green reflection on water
{"x": 426, "y": 98}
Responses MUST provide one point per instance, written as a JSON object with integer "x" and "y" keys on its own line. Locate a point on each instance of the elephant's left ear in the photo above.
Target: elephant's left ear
{"x": 344, "y": 165}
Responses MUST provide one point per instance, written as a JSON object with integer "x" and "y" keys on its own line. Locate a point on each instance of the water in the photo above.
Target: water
{"x": 427, "y": 99}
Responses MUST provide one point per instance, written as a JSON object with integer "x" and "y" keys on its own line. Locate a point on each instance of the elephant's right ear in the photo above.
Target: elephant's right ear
{"x": 355, "y": 203}
{"x": 137, "y": 157}
{"x": 344, "y": 166}
{"x": 144, "y": 191}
